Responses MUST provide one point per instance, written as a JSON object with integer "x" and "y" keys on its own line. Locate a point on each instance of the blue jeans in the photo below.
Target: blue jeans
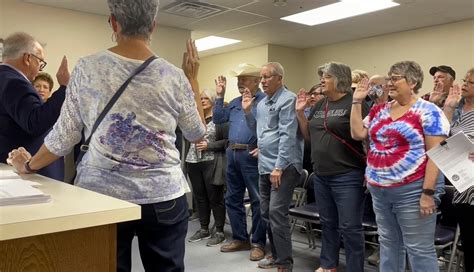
{"x": 340, "y": 199}
{"x": 402, "y": 229}
{"x": 161, "y": 233}
{"x": 242, "y": 172}
{"x": 275, "y": 204}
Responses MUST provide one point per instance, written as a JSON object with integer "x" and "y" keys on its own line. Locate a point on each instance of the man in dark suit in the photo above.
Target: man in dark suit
{"x": 24, "y": 118}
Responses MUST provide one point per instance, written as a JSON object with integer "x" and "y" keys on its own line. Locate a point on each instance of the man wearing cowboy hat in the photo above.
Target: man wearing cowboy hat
{"x": 242, "y": 166}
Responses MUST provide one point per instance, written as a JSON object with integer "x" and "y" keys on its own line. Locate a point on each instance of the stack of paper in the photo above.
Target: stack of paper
{"x": 15, "y": 191}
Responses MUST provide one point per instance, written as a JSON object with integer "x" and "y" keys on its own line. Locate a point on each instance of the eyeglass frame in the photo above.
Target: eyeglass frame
{"x": 390, "y": 78}
{"x": 42, "y": 62}
{"x": 268, "y": 77}
{"x": 467, "y": 82}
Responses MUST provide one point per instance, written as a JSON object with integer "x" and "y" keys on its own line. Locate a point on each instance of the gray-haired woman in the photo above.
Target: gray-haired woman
{"x": 402, "y": 180}
{"x": 338, "y": 162}
{"x": 132, "y": 155}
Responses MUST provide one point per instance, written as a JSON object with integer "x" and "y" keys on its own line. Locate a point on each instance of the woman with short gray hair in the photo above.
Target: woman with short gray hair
{"x": 402, "y": 180}
{"x": 132, "y": 154}
{"x": 338, "y": 163}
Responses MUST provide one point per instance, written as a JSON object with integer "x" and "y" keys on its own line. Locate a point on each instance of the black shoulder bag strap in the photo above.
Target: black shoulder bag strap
{"x": 85, "y": 145}
{"x": 340, "y": 139}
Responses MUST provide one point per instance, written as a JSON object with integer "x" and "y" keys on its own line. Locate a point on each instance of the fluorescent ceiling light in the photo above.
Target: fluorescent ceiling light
{"x": 338, "y": 11}
{"x": 211, "y": 42}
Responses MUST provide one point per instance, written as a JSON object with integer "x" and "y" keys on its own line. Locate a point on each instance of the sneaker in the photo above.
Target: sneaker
{"x": 199, "y": 235}
{"x": 374, "y": 259}
{"x": 267, "y": 263}
{"x": 193, "y": 217}
{"x": 216, "y": 239}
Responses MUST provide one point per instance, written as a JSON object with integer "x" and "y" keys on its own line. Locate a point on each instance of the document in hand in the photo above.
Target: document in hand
{"x": 19, "y": 192}
{"x": 451, "y": 157}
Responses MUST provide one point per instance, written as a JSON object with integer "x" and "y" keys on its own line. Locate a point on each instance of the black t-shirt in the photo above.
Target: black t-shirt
{"x": 329, "y": 155}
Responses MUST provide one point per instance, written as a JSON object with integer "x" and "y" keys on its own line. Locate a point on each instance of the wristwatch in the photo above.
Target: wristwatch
{"x": 428, "y": 192}
{"x": 277, "y": 169}
{"x": 28, "y": 168}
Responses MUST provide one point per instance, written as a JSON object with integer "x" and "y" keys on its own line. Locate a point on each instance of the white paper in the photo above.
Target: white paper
{"x": 8, "y": 174}
{"x": 452, "y": 159}
{"x": 16, "y": 191}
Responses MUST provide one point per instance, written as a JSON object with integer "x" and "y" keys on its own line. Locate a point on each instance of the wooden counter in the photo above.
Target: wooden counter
{"x": 76, "y": 231}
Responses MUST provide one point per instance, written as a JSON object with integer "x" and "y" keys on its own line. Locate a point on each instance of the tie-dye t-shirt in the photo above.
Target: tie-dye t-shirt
{"x": 397, "y": 150}
{"x": 132, "y": 154}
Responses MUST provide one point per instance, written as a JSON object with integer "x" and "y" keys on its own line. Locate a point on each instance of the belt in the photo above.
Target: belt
{"x": 241, "y": 147}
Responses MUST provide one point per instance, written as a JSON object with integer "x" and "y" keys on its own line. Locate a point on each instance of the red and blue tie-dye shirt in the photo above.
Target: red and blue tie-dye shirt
{"x": 397, "y": 150}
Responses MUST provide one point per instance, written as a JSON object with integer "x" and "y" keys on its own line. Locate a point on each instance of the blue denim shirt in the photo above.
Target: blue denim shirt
{"x": 279, "y": 140}
{"x": 239, "y": 133}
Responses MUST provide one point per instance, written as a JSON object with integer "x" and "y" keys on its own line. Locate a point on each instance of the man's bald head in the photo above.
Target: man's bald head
{"x": 377, "y": 80}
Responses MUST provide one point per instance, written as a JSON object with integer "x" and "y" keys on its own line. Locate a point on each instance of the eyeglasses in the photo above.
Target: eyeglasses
{"x": 394, "y": 79}
{"x": 41, "y": 61}
{"x": 468, "y": 82}
{"x": 267, "y": 77}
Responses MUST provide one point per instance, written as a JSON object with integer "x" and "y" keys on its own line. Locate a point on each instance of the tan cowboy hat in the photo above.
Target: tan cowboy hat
{"x": 246, "y": 69}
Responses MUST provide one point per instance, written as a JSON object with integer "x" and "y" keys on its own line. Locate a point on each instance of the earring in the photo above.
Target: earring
{"x": 114, "y": 37}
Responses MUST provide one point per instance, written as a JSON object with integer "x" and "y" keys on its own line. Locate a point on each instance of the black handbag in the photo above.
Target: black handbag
{"x": 85, "y": 146}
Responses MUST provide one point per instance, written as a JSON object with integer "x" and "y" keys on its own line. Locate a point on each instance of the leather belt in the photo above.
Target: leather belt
{"x": 241, "y": 147}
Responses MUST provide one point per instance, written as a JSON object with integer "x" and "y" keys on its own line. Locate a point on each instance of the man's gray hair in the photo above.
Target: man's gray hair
{"x": 136, "y": 17}
{"x": 18, "y": 43}
{"x": 276, "y": 68}
{"x": 342, "y": 75}
{"x": 470, "y": 72}
{"x": 411, "y": 71}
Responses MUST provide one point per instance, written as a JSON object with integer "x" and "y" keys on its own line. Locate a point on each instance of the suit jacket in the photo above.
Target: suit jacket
{"x": 24, "y": 118}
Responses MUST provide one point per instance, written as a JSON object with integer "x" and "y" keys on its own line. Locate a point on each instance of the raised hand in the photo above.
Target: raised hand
{"x": 361, "y": 90}
{"x": 190, "y": 63}
{"x": 247, "y": 100}
{"x": 454, "y": 97}
{"x": 302, "y": 100}
{"x": 221, "y": 83}
{"x": 63, "y": 74}
{"x": 437, "y": 94}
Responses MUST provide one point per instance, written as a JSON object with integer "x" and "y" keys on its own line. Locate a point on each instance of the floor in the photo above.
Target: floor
{"x": 200, "y": 258}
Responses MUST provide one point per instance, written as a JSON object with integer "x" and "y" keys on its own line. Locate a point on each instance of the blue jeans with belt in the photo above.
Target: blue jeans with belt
{"x": 161, "y": 233}
{"x": 403, "y": 230}
{"x": 340, "y": 199}
{"x": 242, "y": 172}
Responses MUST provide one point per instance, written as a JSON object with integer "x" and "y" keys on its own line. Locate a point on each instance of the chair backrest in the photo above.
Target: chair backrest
{"x": 304, "y": 179}
{"x": 300, "y": 191}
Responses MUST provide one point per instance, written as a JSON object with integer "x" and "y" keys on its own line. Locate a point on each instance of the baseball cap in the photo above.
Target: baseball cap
{"x": 444, "y": 69}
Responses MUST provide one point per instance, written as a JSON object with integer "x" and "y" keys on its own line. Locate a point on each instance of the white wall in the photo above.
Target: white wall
{"x": 222, "y": 64}
{"x": 450, "y": 44}
{"x": 77, "y": 34}
{"x": 292, "y": 61}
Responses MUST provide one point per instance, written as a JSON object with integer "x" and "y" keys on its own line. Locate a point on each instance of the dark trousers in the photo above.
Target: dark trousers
{"x": 208, "y": 196}
{"x": 275, "y": 204}
{"x": 161, "y": 233}
{"x": 465, "y": 217}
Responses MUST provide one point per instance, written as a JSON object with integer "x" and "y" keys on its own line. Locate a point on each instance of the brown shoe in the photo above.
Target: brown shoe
{"x": 235, "y": 245}
{"x": 257, "y": 253}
